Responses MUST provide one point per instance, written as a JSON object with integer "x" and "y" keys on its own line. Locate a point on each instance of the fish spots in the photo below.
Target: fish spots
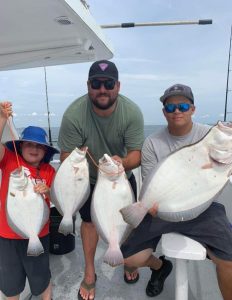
{"x": 76, "y": 169}
{"x": 114, "y": 185}
{"x": 12, "y": 194}
{"x": 207, "y": 166}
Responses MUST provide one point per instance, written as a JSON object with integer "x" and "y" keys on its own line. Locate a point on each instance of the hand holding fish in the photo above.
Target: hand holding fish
{"x": 6, "y": 109}
{"x": 42, "y": 188}
{"x": 117, "y": 159}
{"x": 154, "y": 209}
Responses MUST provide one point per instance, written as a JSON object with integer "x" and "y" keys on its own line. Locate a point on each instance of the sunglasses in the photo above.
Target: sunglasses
{"x": 96, "y": 84}
{"x": 182, "y": 107}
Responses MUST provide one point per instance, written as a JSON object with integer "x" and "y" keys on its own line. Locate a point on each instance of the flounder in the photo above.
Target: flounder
{"x": 27, "y": 211}
{"x": 185, "y": 183}
{"x": 112, "y": 192}
{"x": 70, "y": 188}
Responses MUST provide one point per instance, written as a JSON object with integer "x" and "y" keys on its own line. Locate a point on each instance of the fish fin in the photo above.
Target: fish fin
{"x": 66, "y": 225}
{"x": 113, "y": 256}
{"x": 133, "y": 214}
{"x": 35, "y": 248}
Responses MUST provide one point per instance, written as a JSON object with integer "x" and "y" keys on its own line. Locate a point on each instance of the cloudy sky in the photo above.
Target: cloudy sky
{"x": 149, "y": 60}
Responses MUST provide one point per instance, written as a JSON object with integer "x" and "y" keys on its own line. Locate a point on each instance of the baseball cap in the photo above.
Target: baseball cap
{"x": 178, "y": 90}
{"x": 103, "y": 68}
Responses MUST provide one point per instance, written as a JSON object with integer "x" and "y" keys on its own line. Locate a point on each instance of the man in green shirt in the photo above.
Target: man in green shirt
{"x": 106, "y": 122}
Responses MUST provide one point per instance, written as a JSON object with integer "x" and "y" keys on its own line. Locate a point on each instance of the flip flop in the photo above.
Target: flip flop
{"x": 88, "y": 287}
{"x": 130, "y": 270}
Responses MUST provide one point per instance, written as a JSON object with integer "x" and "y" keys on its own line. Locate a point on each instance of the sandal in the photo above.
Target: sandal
{"x": 88, "y": 287}
{"x": 130, "y": 270}
{"x": 156, "y": 283}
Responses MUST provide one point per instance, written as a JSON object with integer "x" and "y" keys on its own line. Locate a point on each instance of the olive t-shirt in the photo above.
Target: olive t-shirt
{"x": 116, "y": 134}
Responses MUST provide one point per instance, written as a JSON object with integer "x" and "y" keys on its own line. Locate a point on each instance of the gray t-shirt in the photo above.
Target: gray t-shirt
{"x": 160, "y": 144}
{"x": 116, "y": 134}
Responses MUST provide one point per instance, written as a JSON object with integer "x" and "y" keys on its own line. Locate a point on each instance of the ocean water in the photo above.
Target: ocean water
{"x": 148, "y": 129}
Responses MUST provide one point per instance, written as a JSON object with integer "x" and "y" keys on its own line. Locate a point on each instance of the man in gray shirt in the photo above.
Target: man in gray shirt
{"x": 178, "y": 108}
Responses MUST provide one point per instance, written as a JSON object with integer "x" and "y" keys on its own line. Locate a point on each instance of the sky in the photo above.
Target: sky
{"x": 149, "y": 60}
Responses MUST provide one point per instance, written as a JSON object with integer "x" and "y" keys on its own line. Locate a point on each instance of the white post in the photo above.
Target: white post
{"x": 181, "y": 280}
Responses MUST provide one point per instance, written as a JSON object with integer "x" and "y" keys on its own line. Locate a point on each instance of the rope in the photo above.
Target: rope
{"x": 13, "y": 140}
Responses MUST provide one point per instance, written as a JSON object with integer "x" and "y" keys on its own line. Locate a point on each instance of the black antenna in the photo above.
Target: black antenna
{"x": 228, "y": 75}
{"x": 49, "y": 126}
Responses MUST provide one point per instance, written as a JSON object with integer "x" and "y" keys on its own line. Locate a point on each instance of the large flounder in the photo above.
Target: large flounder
{"x": 112, "y": 192}
{"x": 27, "y": 211}
{"x": 70, "y": 188}
{"x": 185, "y": 183}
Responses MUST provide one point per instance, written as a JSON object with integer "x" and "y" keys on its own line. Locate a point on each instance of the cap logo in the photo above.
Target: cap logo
{"x": 176, "y": 88}
{"x": 103, "y": 66}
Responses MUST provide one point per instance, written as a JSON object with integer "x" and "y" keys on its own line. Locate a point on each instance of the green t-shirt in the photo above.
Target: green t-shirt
{"x": 122, "y": 131}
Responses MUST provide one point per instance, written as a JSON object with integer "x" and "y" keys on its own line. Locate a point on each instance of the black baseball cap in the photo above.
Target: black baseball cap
{"x": 103, "y": 68}
{"x": 178, "y": 90}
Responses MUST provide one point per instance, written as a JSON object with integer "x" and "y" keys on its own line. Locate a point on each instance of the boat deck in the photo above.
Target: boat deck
{"x": 68, "y": 271}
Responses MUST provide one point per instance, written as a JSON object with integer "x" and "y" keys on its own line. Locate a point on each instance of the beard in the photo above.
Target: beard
{"x": 105, "y": 105}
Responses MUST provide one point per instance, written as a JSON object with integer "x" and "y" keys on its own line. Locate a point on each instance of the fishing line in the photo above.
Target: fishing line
{"x": 13, "y": 141}
{"x": 97, "y": 166}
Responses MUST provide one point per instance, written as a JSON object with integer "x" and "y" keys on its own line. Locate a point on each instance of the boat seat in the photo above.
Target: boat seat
{"x": 181, "y": 248}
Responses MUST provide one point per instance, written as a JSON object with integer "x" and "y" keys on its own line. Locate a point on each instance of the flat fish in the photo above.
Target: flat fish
{"x": 112, "y": 192}
{"x": 71, "y": 188}
{"x": 185, "y": 183}
{"x": 27, "y": 211}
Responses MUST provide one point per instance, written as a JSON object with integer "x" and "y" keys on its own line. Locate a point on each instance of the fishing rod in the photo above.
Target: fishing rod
{"x": 227, "y": 80}
{"x": 131, "y": 24}
{"x": 48, "y": 112}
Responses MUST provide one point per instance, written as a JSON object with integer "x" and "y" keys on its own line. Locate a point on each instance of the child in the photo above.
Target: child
{"x": 34, "y": 153}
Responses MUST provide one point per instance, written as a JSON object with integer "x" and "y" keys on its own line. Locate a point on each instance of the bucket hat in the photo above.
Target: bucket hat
{"x": 36, "y": 135}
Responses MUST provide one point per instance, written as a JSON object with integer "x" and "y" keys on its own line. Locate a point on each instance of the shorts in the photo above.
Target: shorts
{"x": 85, "y": 209}
{"x": 211, "y": 228}
{"x": 15, "y": 266}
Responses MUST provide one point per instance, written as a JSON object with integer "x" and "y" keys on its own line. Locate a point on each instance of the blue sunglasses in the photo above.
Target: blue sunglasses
{"x": 182, "y": 107}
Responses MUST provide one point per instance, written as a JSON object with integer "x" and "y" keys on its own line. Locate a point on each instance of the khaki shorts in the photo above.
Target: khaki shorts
{"x": 212, "y": 229}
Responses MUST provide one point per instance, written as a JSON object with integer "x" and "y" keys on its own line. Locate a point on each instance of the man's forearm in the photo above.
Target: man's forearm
{"x": 132, "y": 160}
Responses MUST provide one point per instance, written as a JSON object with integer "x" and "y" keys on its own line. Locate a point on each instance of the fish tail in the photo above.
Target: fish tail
{"x": 133, "y": 214}
{"x": 113, "y": 256}
{"x": 35, "y": 248}
{"x": 66, "y": 225}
